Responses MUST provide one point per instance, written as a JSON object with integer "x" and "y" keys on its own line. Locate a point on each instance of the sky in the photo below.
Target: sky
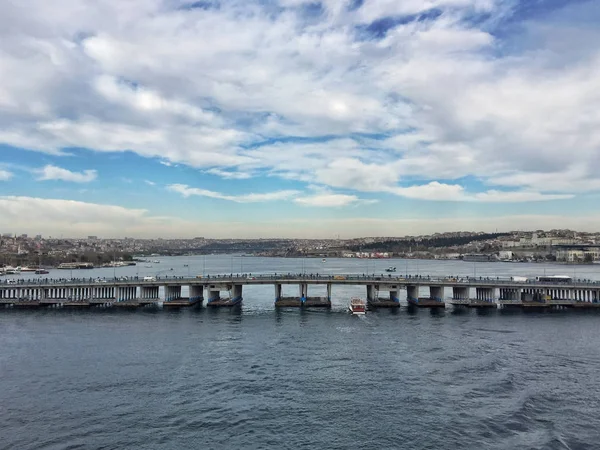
{"x": 295, "y": 118}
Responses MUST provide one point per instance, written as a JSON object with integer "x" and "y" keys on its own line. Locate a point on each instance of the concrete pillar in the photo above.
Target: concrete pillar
{"x": 173, "y": 293}
{"x": 196, "y": 293}
{"x": 412, "y": 293}
{"x": 278, "y": 289}
{"x": 303, "y": 288}
{"x": 436, "y": 293}
{"x": 329, "y": 286}
{"x": 213, "y": 293}
{"x": 485, "y": 294}
{"x": 235, "y": 292}
{"x": 460, "y": 293}
{"x": 395, "y": 294}
{"x": 371, "y": 292}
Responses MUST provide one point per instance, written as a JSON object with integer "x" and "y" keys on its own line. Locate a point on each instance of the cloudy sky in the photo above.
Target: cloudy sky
{"x": 256, "y": 118}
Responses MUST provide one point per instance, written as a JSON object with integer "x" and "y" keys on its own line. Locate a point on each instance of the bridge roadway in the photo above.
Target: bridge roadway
{"x": 133, "y": 292}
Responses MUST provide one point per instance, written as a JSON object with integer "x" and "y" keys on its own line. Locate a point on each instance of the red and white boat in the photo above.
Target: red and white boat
{"x": 357, "y": 306}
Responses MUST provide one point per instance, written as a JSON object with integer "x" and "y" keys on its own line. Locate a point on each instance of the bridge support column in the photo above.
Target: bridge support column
{"x": 375, "y": 298}
{"x": 214, "y": 294}
{"x": 172, "y": 293}
{"x": 485, "y": 294}
{"x": 278, "y": 290}
{"x": 412, "y": 294}
{"x": 196, "y": 293}
{"x": 235, "y": 293}
{"x": 460, "y": 293}
{"x": 436, "y": 293}
{"x": 329, "y": 286}
{"x": 371, "y": 293}
{"x": 303, "y": 290}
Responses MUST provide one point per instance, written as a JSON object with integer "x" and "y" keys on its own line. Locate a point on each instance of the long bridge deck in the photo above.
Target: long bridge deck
{"x": 134, "y": 291}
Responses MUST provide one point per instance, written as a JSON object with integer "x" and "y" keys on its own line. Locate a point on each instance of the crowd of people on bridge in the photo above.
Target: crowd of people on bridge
{"x": 278, "y": 276}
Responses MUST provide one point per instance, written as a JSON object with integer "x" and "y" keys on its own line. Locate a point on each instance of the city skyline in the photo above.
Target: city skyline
{"x": 298, "y": 119}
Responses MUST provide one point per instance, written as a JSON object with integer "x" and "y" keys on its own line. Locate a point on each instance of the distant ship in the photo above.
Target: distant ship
{"x": 76, "y": 266}
{"x": 390, "y": 269}
{"x": 477, "y": 258}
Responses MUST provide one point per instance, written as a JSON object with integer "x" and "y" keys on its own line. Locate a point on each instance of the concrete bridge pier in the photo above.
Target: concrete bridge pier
{"x": 150, "y": 293}
{"x": 484, "y": 294}
{"x": 172, "y": 293}
{"x": 374, "y": 299}
{"x": 303, "y": 290}
{"x": 435, "y": 299}
{"x": 214, "y": 295}
{"x": 460, "y": 293}
{"x": 235, "y": 292}
{"x": 412, "y": 294}
{"x": 303, "y": 299}
{"x": 278, "y": 291}
{"x": 460, "y": 296}
{"x": 436, "y": 293}
{"x": 196, "y": 294}
{"x": 371, "y": 293}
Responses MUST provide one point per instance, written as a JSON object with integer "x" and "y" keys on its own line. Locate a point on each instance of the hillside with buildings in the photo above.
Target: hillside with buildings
{"x": 564, "y": 246}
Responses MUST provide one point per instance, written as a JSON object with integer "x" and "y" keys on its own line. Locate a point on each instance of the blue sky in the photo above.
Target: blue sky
{"x": 298, "y": 118}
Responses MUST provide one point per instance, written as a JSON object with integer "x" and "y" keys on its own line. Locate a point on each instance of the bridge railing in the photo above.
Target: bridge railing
{"x": 249, "y": 277}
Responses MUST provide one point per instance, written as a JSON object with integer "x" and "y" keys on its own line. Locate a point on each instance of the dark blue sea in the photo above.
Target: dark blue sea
{"x": 256, "y": 378}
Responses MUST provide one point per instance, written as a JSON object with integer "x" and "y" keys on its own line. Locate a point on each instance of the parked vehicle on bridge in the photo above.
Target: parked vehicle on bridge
{"x": 149, "y": 278}
{"x": 519, "y": 279}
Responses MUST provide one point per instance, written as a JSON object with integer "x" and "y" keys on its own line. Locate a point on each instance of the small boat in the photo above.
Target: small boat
{"x": 323, "y": 260}
{"x": 390, "y": 269}
{"x": 41, "y": 272}
{"x": 357, "y": 306}
{"x": 156, "y": 261}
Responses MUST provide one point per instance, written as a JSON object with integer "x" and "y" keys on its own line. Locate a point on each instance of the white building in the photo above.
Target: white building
{"x": 578, "y": 254}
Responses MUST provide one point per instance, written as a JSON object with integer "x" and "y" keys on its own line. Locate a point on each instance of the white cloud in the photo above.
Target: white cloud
{"x": 5, "y": 175}
{"x": 51, "y": 172}
{"x": 517, "y": 196}
{"x": 454, "y": 192}
{"x": 245, "y": 89}
{"x": 146, "y": 100}
{"x": 329, "y": 200}
{"x": 188, "y": 191}
{"x": 432, "y": 191}
{"x": 150, "y": 183}
{"x": 229, "y": 175}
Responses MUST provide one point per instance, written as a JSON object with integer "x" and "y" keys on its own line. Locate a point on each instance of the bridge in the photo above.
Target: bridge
{"x": 382, "y": 291}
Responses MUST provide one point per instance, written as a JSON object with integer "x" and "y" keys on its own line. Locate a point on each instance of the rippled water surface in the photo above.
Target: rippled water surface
{"x": 260, "y": 378}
